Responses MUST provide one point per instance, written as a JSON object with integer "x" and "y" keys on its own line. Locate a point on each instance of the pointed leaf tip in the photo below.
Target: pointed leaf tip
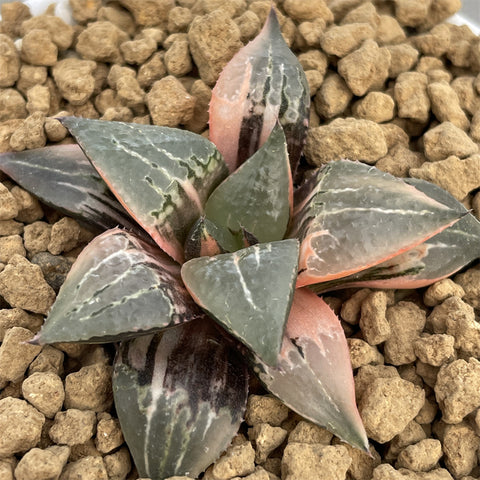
{"x": 248, "y": 292}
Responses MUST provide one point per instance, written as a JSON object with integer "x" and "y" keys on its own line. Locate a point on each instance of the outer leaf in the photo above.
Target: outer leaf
{"x": 248, "y": 292}
{"x": 119, "y": 287}
{"x": 314, "y": 374}
{"x": 437, "y": 258}
{"x": 62, "y": 177}
{"x": 351, "y": 216}
{"x": 258, "y": 196}
{"x": 263, "y": 83}
{"x": 180, "y": 399}
{"x": 162, "y": 176}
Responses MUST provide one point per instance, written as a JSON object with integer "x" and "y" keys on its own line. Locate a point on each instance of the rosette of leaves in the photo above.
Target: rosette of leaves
{"x": 204, "y": 267}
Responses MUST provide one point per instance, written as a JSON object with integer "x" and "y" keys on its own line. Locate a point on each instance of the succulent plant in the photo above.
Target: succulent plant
{"x": 211, "y": 261}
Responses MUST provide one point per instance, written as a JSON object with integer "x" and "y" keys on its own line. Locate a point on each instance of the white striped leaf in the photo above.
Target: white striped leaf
{"x": 438, "y": 257}
{"x": 258, "y": 196}
{"x": 350, "y": 217}
{"x": 248, "y": 292}
{"x": 262, "y": 84}
{"x": 314, "y": 375}
{"x": 118, "y": 287}
{"x": 180, "y": 398}
{"x": 62, "y": 177}
{"x": 162, "y": 176}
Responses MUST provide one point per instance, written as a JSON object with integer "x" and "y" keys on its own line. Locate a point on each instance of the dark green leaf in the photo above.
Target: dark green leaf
{"x": 258, "y": 196}
{"x": 163, "y": 176}
{"x": 118, "y": 287}
{"x": 248, "y": 292}
{"x": 180, "y": 399}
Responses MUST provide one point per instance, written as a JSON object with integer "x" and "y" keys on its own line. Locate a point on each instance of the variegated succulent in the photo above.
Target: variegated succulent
{"x": 211, "y": 261}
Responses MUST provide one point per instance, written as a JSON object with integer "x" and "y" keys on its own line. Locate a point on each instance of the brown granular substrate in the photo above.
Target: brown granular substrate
{"x": 391, "y": 85}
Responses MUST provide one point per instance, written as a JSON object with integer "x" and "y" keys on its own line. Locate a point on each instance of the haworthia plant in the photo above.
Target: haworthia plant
{"x": 216, "y": 284}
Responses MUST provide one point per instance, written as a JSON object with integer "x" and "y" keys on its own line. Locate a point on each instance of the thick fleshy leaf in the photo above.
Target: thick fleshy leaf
{"x": 437, "y": 258}
{"x": 314, "y": 375}
{"x": 61, "y": 176}
{"x": 259, "y": 195}
{"x": 119, "y": 287}
{"x": 350, "y": 217}
{"x": 248, "y": 292}
{"x": 162, "y": 176}
{"x": 262, "y": 84}
{"x": 180, "y": 399}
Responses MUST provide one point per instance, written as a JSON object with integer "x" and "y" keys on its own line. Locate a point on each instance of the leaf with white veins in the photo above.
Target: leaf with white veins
{"x": 162, "y": 176}
{"x": 248, "y": 292}
{"x": 180, "y": 398}
{"x": 118, "y": 287}
{"x": 314, "y": 375}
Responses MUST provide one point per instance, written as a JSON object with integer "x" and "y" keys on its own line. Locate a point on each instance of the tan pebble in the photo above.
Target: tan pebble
{"x": 452, "y": 307}
{"x": 82, "y": 450}
{"x": 426, "y": 63}
{"x": 179, "y": 18}
{"x": 435, "y": 349}
{"x": 54, "y": 130}
{"x": 169, "y": 102}
{"x": 16, "y": 317}
{"x": 313, "y": 60}
{"x": 470, "y": 282}
{"x": 31, "y": 134}
{"x": 373, "y": 323}
{"x": 410, "y": 93}
{"x": 8, "y": 204}
{"x": 118, "y": 464}
{"x": 375, "y": 106}
{"x": 106, "y": 99}
{"x": 301, "y": 11}
{"x": 7, "y": 128}
{"x": 20, "y": 424}
{"x": 386, "y": 472}
{"x": 366, "y": 68}
{"x": 314, "y": 80}
{"x": 400, "y": 160}
{"x": 9, "y": 62}
{"x": 457, "y": 389}
{"x": 308, "y": 432}
{"x": 428, "y": 412}
{"x": 238, "y": 460}
{"x": 109, "y": 435}
{"x": 60, "y": 32}
{"x": 116, "y": 72}
{"x": 84, "y": 11}
{"x": 9, "y": 246}
{"x": 15, "y": 354}
{"x": 44, "y": 390}
{"x": 64, "y": 236}
{"x": 38, "y": 99}
{"x": 411, "y": 13}
{"x": 344, "y": 39}
{"x": 177, "y": 59}
{"x": 460, "y": 51}
{"x": 422, "y": 456}
{"x": 152, "y": 70}
{"x": 249, "y": 25}
{"x": 345, "y": 138}
{"x": 434, "y": 43}
{"x": 89, "y": 388}
{"x": 409, "y": 372}
{"x": 38, "y": 48}
{"x": 311, "y": 33}
{"x": 460, "y": 445}
{"x": 117, "y": 114}
{"x": 440, "y": 291}
{"x": 446, "y": 140}
{"x": 6, "y": 469}
{"x": 387, "y": 405}
{"x": 29, "y": 207}
{"x": 303, "y": 460}
{"x": 13, "y": 15}
{"x": 265, "y": 409}
{"x": 36, "y": 237}
{"x": 73, "y": 427}
{"x": 202, "y": 93}
{"x": 406, "y": 322}
{"x": 118, "y": 16}
{"x": 12, "y": 105}
{"x": 366, "y": 374}
{"x": 10, "y": 227}
{"x": 50, "y": 359}
{"x": 439, "y": 75}
{"x": 332, "y": 97}
{"x": 31, "y": 75}
{"x": 446, "y": 105}
{"x": 218, "y": 29}
{"x": 86, "y": 467}
{"x": 138, "y": 51}
{"x": 361, "y": 353}
{"x": 464, "y": 87}
{"x": 266, "y": 438}
{"x": 389, "y": 31}
{"x": 411, "y": 434}
{"x": 42, "y": 464}
{"x": 428, "y": 373}
{"x": 100, "y": 41}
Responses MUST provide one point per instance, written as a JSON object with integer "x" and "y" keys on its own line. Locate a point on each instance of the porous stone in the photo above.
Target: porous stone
{"x": 118, "y": 16}
{"x": 86, "y": 467}
{"x": 307, "y": 432}
{"x": 213, "y": 38}
{"x": 332, "y": 97}
{"x": 411, "y": 97}
{"x": 373, "y": 322}
{"x": 148, "y": 14}
{"x": 138, "y": 51}
{"x": 13, "y": 15}
{"x": 109, "y": 434}
{"x": 85, "y": 10}
{"x": 8, "y": 204}
{"x": 441, "y": 290}
{"x": 345, "y": 138}
{"x": 422, "y": 456}
{"x": 366, "y": 68}
{"x": 400, "y": 160}
{"x": 31, "y": 75}
{"x": 54, "y": 130}
{"x": 12, "y": 105}
{"x": 169, "y": 102}
{"x": 38, "y": 99}
{"x": 361, "y": 353}
{"x": 343, "y": 39}
{"x": 20, "y": 424}
{"x": 6, "y": 130}
{"x": 177, "y": 59}
{"x": 64, "y": 236}
{"x": 446, "y": 105}
{"x": 266, "y": 439}
{"x": 457, "y": 389}
{"x": 118, "y": 464}
{"x": 9, "y": 62}
{"x": 50, "y": 359}
{"x": 362, "y": 463}
{"x": 9, "y": 246}
{"x": 301, "y": 11}
{"x": 464, "y": 87}
{"x": 38, "y": 48}
{"x": 42, "y": 464}
{"x": 265, "y": 409}
{"x": 29, "y": 208}
{"x": 73, "y": 427}
{"x": 410, "y": 435}
{"x": 60, "y": 32}
{"x": 351, "y": 307}
{"x": 389, "y": 31}
{"x": 435, "y": 349}
{"x": 152, "y": 70}
{"x": 238, "y": 460}
{"x": 375, "y": 106}
{"x": 36, "y": 237}
{"x": 31, "y": 134}
{"x": 22, "y": 285}
{"x": 446, "y": 140}
{"x": 16, "y": 317}
{"x": 387, "y": 405}
{"x": 44, "y": 390}
{"x": 470, "y": 282}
